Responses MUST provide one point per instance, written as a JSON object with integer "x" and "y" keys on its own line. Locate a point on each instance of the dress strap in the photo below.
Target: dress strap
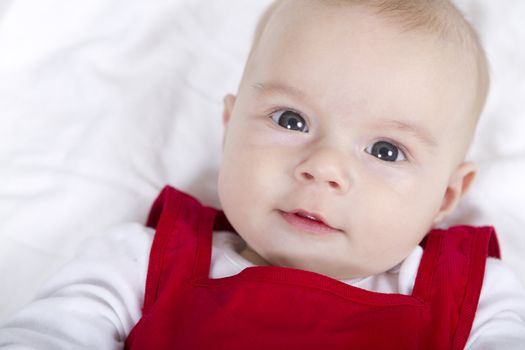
{"x": 450, "y": 277}
{"x": 180, "y": 221}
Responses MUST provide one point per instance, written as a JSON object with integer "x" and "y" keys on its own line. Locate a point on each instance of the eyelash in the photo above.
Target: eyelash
{"x": 400, "y": 148}
{"x": 287, "y": 109}
{"x": 301, "y": 122}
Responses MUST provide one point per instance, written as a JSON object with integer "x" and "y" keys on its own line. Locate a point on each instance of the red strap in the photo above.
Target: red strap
{"x": 485, "y": 245}
{"x": 162, "y": 216}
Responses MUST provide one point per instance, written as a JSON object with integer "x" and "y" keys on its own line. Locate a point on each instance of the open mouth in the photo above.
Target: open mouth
{"x": 309, "y": 222}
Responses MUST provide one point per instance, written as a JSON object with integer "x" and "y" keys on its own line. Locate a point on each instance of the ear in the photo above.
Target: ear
{"x": 229, "y": 102}
{"x": 459, "y": 183}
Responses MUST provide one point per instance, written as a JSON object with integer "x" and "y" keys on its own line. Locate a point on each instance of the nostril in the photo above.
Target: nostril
{"x": 333, "y": 184}
{"x": 308, "y": 176}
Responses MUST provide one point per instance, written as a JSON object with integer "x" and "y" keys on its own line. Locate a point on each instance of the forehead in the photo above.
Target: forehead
{"x": 346, "y": 57}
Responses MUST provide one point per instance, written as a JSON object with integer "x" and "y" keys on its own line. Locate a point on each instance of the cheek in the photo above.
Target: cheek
{"x": 249, "y": 173}
{"x": 256, "y": 157}
{"x": 388, "y": 189}
{"x": 403, "y": 202}
{"x": 251, "y": 181}
{"x": 236, "y": 192}
{"x": 409, "y": 185}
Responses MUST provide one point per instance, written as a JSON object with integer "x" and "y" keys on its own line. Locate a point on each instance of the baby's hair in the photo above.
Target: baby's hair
{"x": 438, "y": 18}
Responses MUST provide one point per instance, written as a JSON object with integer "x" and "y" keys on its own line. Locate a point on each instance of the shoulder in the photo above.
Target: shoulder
{"x": 91, "y": 302}
{"x": 122, "y": 240}
{"x": 500, "y": 316}
{"x": 118, "y": 255}
{"x": 502, "y": 287}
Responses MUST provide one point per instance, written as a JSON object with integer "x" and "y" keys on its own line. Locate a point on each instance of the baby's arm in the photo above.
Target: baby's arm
{"x": 500, "y": 318}
{"x": 93, "y": 302}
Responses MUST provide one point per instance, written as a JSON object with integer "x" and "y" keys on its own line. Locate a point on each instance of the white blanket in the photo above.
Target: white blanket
{"x": 102, "y": 102}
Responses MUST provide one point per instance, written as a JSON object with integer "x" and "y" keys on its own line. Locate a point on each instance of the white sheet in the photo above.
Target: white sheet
{"x": 102, "y": 102}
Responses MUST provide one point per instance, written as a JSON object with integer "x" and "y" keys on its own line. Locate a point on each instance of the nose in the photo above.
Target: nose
{"x": 325, "y": 168}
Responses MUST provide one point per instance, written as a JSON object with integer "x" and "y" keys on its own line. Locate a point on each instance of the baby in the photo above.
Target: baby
{"x": 344, "y": 148}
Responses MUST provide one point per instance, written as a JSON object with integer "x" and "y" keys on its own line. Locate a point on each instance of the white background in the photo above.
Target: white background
{"x": 103, "y": 102}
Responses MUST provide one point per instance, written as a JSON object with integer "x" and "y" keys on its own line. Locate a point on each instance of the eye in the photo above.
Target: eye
{"x": 290, "y": 120}
{"x": 386, "y": 151}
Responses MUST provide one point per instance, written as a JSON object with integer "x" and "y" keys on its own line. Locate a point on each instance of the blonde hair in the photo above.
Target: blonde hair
{"x": 439, "y": 18}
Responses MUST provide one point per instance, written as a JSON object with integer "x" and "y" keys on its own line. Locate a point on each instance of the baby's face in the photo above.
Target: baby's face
{"x": 345, "y": 142}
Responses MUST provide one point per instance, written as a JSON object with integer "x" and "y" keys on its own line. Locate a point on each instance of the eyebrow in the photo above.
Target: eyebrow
{"x": 275, "y": 87}
{"x": 415, "y": 130}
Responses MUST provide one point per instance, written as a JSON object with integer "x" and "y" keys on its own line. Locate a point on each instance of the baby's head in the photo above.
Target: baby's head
{"x": 346, "y": 141}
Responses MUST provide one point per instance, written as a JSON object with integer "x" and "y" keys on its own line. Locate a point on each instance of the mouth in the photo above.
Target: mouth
{"x": 309, "y": 222}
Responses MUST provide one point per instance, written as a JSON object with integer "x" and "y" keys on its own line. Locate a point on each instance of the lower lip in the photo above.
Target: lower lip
{"x": 308, "y": 225}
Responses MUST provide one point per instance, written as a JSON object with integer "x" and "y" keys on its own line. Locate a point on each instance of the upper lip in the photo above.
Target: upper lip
{"x": 312, "y": 216}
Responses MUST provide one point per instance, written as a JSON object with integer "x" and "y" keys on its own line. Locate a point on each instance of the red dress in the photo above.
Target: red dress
{"x": 269, "y": 307}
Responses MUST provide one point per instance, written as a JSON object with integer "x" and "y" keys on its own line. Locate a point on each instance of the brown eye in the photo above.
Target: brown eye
{"x": 290, "y": 120}
{"x": 386, "y": 151}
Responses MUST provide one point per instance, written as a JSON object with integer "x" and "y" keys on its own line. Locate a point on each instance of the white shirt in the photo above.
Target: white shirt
{"x": 94, "y": 301}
